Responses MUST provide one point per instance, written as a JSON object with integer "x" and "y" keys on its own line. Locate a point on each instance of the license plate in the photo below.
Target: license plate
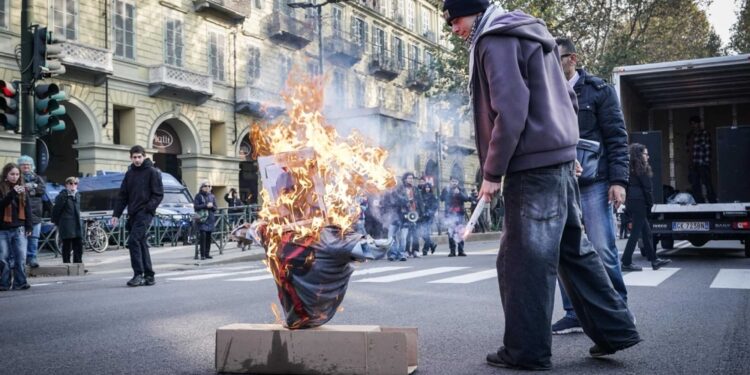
{"x": 690, "y": 226}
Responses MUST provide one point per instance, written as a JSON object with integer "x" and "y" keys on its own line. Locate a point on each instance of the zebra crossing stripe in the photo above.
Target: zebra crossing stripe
{"x": 410, "y": 275}
{"x": 648, "y": 277}
{"x": 369, "y": 271}
{"x": 215, "y": 275}
{"x": 732, "y": 279}
{"x": 255, "y": 278}
{"x": 468, "y": 278}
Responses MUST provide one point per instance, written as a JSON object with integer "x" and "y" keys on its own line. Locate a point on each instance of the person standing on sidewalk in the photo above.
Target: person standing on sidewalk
{"x": 15, "y": 227}
{"x": 526, "y": 132}
{"x": 141, "y": 192}
{"x": 204, "y": 205}
{"x": 599, "y": 119}
{"x": 640, "y": 200}
{"x": 66, "y": 214}
{"x": 35, "y": 189}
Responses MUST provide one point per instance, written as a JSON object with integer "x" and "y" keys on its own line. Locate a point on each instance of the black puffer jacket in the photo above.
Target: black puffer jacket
{"x": 141, "y": 190}
{"x": 600, "y": 119}
{"x": 35, "y": 189}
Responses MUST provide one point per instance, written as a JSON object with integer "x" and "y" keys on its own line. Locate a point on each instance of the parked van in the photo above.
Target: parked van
{"x": 99, "y": 195}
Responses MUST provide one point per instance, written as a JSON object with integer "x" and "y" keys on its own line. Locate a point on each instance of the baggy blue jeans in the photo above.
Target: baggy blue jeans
{"x": 542, "y": 238}
{"x": 13, "y": 244}
{"x": 600, "y": 230}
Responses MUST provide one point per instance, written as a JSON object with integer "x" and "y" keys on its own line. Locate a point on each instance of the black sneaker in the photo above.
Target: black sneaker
{"x": 630, "y": 267}
{"x": 493, "y": 359}
{"x": 149, "y": 280}
{"x": 137, "y": 280}
{"x": 23, "y": 287}
{"x": 658, "y": 263}
{"x": 597, "y": 351}
{"x": 462, "y": 254}
{"x": 566, "y": 325}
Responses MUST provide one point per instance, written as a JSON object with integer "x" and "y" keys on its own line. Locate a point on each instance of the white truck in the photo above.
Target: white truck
{"x": 657, "y": 102}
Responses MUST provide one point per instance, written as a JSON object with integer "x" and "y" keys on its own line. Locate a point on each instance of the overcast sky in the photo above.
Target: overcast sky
{"x": 722, "y": 14}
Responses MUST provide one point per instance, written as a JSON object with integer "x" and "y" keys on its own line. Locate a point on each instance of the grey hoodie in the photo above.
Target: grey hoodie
{"x": 524, "y": 110}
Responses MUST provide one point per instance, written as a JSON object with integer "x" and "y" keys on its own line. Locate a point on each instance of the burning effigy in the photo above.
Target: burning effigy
{"x": 311, "y": 180}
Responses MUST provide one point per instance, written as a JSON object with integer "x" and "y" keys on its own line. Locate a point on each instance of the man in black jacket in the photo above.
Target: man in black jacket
{"x": 599, "y": 119}
{"x": 141, "y": 192}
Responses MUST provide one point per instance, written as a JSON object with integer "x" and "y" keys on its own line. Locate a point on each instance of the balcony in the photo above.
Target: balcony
{"x": 429, "y": 35}
{"x": 384, "y": 66}
{"x": 461, "y": 145}
{"x": 419, "y": 79}
{"x": 86, "y": 63}
{"x": 342, "y": 51}
{"x": 180, "y": 84}
{"x": 288, "y": 30}
{"x": 224, "y": 9}
{"x": 257, "y": 102}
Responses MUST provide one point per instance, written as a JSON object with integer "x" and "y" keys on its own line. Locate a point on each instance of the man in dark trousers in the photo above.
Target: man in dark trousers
{"x": 141, "y": 192}
{"x": 526, "y": 132}
{"x": 599, "y": 119}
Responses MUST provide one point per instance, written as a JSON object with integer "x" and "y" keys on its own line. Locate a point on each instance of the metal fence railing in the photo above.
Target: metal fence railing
{"x": 165, "y": 230}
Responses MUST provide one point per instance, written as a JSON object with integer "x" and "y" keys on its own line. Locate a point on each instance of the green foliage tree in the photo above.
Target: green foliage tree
{"x": 740, "y": 40}
{"x": 607, "y": 33}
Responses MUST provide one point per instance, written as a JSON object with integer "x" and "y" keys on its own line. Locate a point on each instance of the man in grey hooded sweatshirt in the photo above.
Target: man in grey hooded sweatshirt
{"x": 526, "y": 131}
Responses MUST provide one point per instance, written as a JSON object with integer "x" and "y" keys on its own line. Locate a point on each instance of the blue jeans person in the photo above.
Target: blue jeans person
{"x": 600, "y": 230}
{"x": 397, "y": 233}
{"x": 33, "y": 243}
{"x": 13, "y": 245}
{"x": 542, "y": 238}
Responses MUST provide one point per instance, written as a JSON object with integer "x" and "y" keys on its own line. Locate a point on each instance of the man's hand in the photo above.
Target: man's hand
{"x": 616, "y": 195}
{"x": 113, "y": 221}
{"x": 489, "y": 189}
{"x": 579, "y": 169}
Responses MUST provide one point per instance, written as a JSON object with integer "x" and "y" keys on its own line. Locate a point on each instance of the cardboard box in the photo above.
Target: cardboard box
{"x": 329, "y": 349}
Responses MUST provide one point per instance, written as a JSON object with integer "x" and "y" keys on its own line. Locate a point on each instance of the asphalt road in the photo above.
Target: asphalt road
{"x": 694, "y": 316}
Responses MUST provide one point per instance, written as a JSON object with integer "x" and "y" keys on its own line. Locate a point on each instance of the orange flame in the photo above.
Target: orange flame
{"x": 346, "y": 168}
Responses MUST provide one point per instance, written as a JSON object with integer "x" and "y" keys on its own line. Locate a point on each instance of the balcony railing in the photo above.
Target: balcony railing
{"x": 257, "y": 102}
{"x": 87, "y": 61}
{"x": 384, "y": 66}
{"x": 288, "y": 30}
{"x": 342, "y": 50}
{"x": 419, "y": 79}
{"x": 227, "y": 9}
{"x": 180, "y": 84}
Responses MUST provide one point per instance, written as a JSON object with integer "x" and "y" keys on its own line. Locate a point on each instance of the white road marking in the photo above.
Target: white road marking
{"x": 215, "y": 275}
{"x": 468, "y": 278}
{"x": 484, "y": 252}
{"x": 254, "y": 278}
{"x": 369, "y": 271}
{"x": 732, "y": 279}
{"x": 410, "y": 275}
{"x": 648, "y": 277}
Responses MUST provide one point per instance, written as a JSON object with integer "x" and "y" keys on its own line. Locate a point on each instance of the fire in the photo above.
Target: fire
{"x": 324, "y": 172}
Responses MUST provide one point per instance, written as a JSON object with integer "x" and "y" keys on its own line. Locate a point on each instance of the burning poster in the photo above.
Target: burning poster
{"x": 311, "y": 179}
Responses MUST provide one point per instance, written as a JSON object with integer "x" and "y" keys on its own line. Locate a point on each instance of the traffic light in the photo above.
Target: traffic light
{"x": 47, "y": 108}
{"x": 48, "y": 51}
{"x": 8, "y": 106}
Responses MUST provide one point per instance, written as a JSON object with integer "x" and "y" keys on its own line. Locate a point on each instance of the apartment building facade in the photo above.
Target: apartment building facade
{"x": 186, "y": 78}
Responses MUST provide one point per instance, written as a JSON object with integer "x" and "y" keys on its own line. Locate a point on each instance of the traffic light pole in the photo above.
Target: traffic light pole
{"x": 28, "y": 141}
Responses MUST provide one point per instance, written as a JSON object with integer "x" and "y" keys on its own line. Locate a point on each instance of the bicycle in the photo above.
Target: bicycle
{"x": 94, "y": 238}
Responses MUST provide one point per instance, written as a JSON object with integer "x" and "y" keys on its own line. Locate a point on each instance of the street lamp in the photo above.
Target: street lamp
{"x": 318, "y": 6}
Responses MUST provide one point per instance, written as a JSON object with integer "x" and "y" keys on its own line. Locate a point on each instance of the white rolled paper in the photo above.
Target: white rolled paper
{"x": 474, "y": 218}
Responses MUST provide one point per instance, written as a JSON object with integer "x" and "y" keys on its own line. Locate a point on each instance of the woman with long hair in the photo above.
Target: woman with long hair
{"x": 638, "y": 202}
{"x": 15, "y": 227}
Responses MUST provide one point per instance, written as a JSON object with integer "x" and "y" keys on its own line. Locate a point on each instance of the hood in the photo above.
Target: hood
{"x": 147, "y": 163}
{"x": 520, "y": 25}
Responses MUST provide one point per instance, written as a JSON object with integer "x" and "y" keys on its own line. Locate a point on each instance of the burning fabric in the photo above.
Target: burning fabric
{"x": 311, "y": 180}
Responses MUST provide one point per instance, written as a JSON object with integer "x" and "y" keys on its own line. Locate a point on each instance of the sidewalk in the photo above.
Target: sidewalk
{"x": 116, "y": 261}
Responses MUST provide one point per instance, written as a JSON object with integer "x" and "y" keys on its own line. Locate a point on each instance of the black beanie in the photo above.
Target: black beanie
{"x": 453, "y": 9}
